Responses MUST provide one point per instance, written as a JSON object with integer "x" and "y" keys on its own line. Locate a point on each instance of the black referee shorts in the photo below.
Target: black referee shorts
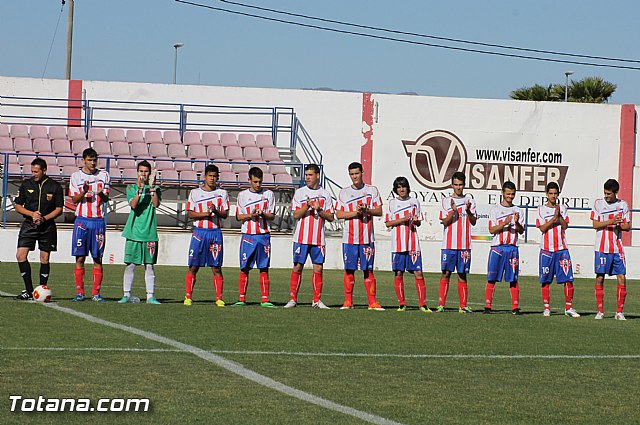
{"x": 47, "y": 237}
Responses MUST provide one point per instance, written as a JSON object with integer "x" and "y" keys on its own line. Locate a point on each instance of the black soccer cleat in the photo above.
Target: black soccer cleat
{"x": 487, "y": 310}
{"x": 24, "y": 296}
{"x": 516, "y": 312}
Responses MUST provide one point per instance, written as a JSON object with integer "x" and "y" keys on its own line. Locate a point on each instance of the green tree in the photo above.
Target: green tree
{"x": 587, "y": 90}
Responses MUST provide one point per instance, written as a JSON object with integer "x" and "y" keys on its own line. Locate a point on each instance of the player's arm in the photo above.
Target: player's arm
{"x": 563, "y": 222}
{"x": 196, "y": 215}
{"x": 597, "y": 224}
{"x": 397, "y": 222}
{"x": 497, "y": 228}
{"x": 302, "y": 211}
{"x": 78, "y": 197}
{"x": 376, "y": 211}
{"x": 221, "y": 213}
{"x": 450, "y": 218}
{"x": 471, "y": 215}
{"x": 518, "y": 226}
{"x": 325, "y": 214}
{"x": 155, "y": 196}
{"x": 20, "y": 209}
{"x": 346, "y": 215}
{"x": 53, "y": 214}
{"x": 104, "y": 197}
{"x": 268, "y": 215}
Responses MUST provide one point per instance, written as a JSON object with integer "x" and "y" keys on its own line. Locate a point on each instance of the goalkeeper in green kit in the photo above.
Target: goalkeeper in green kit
{"x": 141, "y": 232}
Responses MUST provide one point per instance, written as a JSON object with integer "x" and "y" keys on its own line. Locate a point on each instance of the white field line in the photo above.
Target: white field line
{"x": 230, "y": 366}
{"x": 372, "y": 355}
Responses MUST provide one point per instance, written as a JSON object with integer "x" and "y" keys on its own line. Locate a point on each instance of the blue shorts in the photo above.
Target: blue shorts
{"x": 611, "y": 264}
{"x": 89, "y": 237}
{"x": 410, "y": 261}
{"x": 302, "y": 250}
{"x": 206, "y": 249}
{"x": 456, "y": 259}
{"x": 358, "y": 256}
{"x": 503, "y": 260}
{"x": 255, "y": 250}
{"x": 556, "y": 264}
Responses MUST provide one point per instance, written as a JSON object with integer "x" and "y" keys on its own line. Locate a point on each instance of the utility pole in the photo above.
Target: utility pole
{"x": 69, "y": 38}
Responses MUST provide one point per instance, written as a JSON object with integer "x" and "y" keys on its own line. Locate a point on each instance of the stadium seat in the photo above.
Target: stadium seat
{"x": 191, "y": 138}
{"x": 157, "y": 150}
{"x": 268, "y": 178}
{"x": 4, "y": 130}
{"x": 209, "y": 139}
{"x": 19, "y": 130}
{"x": 172, "y": 137}
{"x": 22, "y": 144}
{"x": 106, "y": 163}
{"x": 164, "y": 164}
{"x": 116, "y": 135}
{"x": 252, "y": 153}
{"x": 38, "y": 132}
{"x": 14, "y": 168}
{"x": 54, "y": 170}
{"x": 215, "y": 152}
{"x": 97, "y": 134}
{"x": 270, "y": 154}
{"x": 228, "y": 176}
{"x": 169, "y": 175}
{"x": 126, "y": 164}
{"x": 6, "y": 144}
{"x": 25, "y": 159}
{"x": 67, "y": 170}
{"x": 228, "y": 139}
{"x": 135, "y": 136}
{"x": 223, "y": 166}
{"x": 139, "y": 149}
{"x": 176, "y": 151}
{"x": 153, "y": 136}
{"x": 77, "y": 146}
{"x": 277, "y": 167}
{"x": 198, "y": 166}
{"x": 120, "y": 149}
{"x": 65, "y": 160}
{"x": 284, "y": 179}
{"x": 234, "y": 153}
{"x": 79, "y": 161}
{"x": 243, "y": 178}
{"x": 183, "y": 165}
{"x": 261, "y": 165}
{"x": 76, "y": 133}
{"x": 245, "y": 140}
{"x": 102, "y": 147}
{"x": 189, "y": 176}
{"x": 240, "y": 167}
{"x": 129, "y": 175}
{"x": 57, "y": 132}
{"x": 196, "y": 152}
{"x": 42, "y": 145}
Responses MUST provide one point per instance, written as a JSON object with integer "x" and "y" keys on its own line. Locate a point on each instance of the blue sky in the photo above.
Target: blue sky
{"x": 120, "y": 40}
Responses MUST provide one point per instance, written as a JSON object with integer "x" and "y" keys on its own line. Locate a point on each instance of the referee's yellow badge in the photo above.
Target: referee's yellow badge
{"x": 49, "y": 196}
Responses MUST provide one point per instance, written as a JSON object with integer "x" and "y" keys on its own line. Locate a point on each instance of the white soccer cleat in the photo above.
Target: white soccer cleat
{"x": 546, "y": 312}
{"x": 571, "y": 312}
{"x": 320, "y": 305}
{"x": 290, "y": 304}
{"x": 599, "y": 316}
{"x": 620, "y": 316}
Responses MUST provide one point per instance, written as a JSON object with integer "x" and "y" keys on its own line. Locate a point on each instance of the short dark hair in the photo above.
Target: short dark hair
{"x": 400, "y": 182}
{"x": 211, "y": 168}
{"x": 552, "y": 185}
{"x": 143, "y": 163}
{"x": 355, "y": 165}
{"x": 459, "y": 175}
{"x": 40, "y": 163}
{"x": 255, "y": 172}
{"x": 89, "y": 153}
{"x": 508, "y": 185}
{"x": 314, "y": 167}
{"x": 612, "y": 185}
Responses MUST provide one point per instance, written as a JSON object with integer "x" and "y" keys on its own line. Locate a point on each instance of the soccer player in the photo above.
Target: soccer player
{"x": 610, "y": 217}
{"x": 89, "y": 190}
{"x": 208, "y": 206}
{"x": 357, "y": 205}
{"x": 505, "y": 224}
{"x": 555, "y": 260}
{"x": 312, "y": 206}
{"x": 256, "y": 208}
{"x": 457, "y": 215}
{"x": 141, "y": 232}
{"x": 40, "y": 201}
{"x": 403, "y": 217}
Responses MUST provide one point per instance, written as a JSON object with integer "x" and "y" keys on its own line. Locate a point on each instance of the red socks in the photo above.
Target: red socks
{"x": 568, "y": 295}
{"x": 444, "y": 289}
{"x": 463, "y": 293}
{"x": 264, "y": 286}
{"x": 546, "y": 296}
{"x": 370, "y": 287}
{"x": 218, "y": 285}
{"x": 421, "y": 288}
{"x": 600, "y": 298}
{"x": 515, "y": 295}
{"x": 242, "y": 286}
{"x": 189, "y": 283}
{"x": 349, "y": 281}
{"x": 398, "y": 284}
{"x": 488, "y": 294}
{"x": 620, "y": 297}
{"x": 79, "y": 278}
{"x": 97, "y": 281}
{"x": 294, "y": 285}
{"x": 316, "y": 282}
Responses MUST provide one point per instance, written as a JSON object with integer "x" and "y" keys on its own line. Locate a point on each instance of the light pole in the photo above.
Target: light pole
{"x": 175, "y": 61}
{"x": 566, "y": 85}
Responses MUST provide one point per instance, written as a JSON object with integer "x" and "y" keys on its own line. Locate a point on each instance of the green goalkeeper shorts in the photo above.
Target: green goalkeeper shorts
{"x": 140, "y": 252}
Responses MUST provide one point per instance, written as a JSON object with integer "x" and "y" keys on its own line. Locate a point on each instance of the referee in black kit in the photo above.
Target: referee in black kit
{"x": 40, "y": 201}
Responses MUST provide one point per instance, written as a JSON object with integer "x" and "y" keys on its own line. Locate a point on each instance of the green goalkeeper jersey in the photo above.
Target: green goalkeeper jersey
{"x": 142, "y": 225}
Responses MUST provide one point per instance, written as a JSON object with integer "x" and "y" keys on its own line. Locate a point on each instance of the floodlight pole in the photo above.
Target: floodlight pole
{"x": 69, "y": 38}
{"x": 566, "y": 85}
{"x": 175, "y": 61}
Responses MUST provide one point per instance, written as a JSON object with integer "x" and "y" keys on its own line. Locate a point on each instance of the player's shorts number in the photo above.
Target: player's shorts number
{"x": 545, "y": 270}
{"x": 79, "y": 242}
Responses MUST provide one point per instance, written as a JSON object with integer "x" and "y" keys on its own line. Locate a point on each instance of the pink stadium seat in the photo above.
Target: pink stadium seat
{"x": 77, "y": 146}
{"x": 234, "y": 153}
{"x": 284, "y": 179}
{"x": 103, "y": 162}
{"x": 245, "y": 140}
{"x": 209, "y": 139}
{"x": 14, "y": 169}
{"x": 190, "y": 176}
{"x": 183, "y": 165}
{"x": 127, "y": 164}
{"x": 4, "y": 130}
{"x": 153, "y": 136}
{"x": 157, "y": 150}
{"x": 270, "y": 154}
{"x": 243, "y": 178}
{"x": 97, "y": 134}
{"x": 19, "y": 130}
{"x": 54, "y": 170}
{"x": 120, "y": 149}
{"x": 228, "y": 176}
{"x": 176, "y": 151}
{"x": 191, "y": 138}
{"x": 79, "y": 162}
{"x": 215, "y": 152}
{"x": 6, "y": 144}
{"x": 268, "y": 178}
{"x": 164, "y": 164}
{"x": 169, "y": 175}
{"x": 139, "y": 149}
{"x": 135, "y": 136}
{"x": 223, "y": 166}
{"x": 129, "y": 175}
{"x": 67, "y": 170}
{"x": 116, "y": 135}
{"x": 172, "y": 137}
{"x": 198, "y": 166}
{"x": 264, "y": 167}
{"x": 102, "y": 147}
{"x": 196, "y": 152}
{"x": 66, "y": 160}
{"x": 42, "y": 145}
{"x": 240, "y": 167}
{"x": 38, "y": 132}
{"x": 22, "y": 144}
{"x": 25, "y": 159}
{"x": 76, "y": 133}
{"x": 252, "y": 153}
{"x": 264, "y": 140}
{"x": 228, "y": 139}
{"x": 57, "y": 132}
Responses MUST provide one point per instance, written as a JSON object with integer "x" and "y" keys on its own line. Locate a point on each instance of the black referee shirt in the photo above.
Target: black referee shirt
{"x": 44, "y": 196}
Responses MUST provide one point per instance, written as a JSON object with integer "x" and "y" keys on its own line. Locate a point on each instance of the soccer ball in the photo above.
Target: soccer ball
{"x": 42, "y": 294}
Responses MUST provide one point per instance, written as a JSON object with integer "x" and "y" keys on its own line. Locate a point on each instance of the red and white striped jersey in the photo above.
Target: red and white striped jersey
{"x": 248, "y": 201}
{"x": 310, "y": 228}
{"x": 92, "y": 205}
{"x": 358, "y": 230}
{"x": 200, "y": 200}
{"x": 457, "y": 235}
{"x": 609, "y": 239}
{"x": 404, "y": 237}
{"x": 553, "y": 239}
{"x": 498, "y": 215}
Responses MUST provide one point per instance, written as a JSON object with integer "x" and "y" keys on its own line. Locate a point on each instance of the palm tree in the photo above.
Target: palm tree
{"x": 587, "y": 90}
{"x": 536, "y": 92}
